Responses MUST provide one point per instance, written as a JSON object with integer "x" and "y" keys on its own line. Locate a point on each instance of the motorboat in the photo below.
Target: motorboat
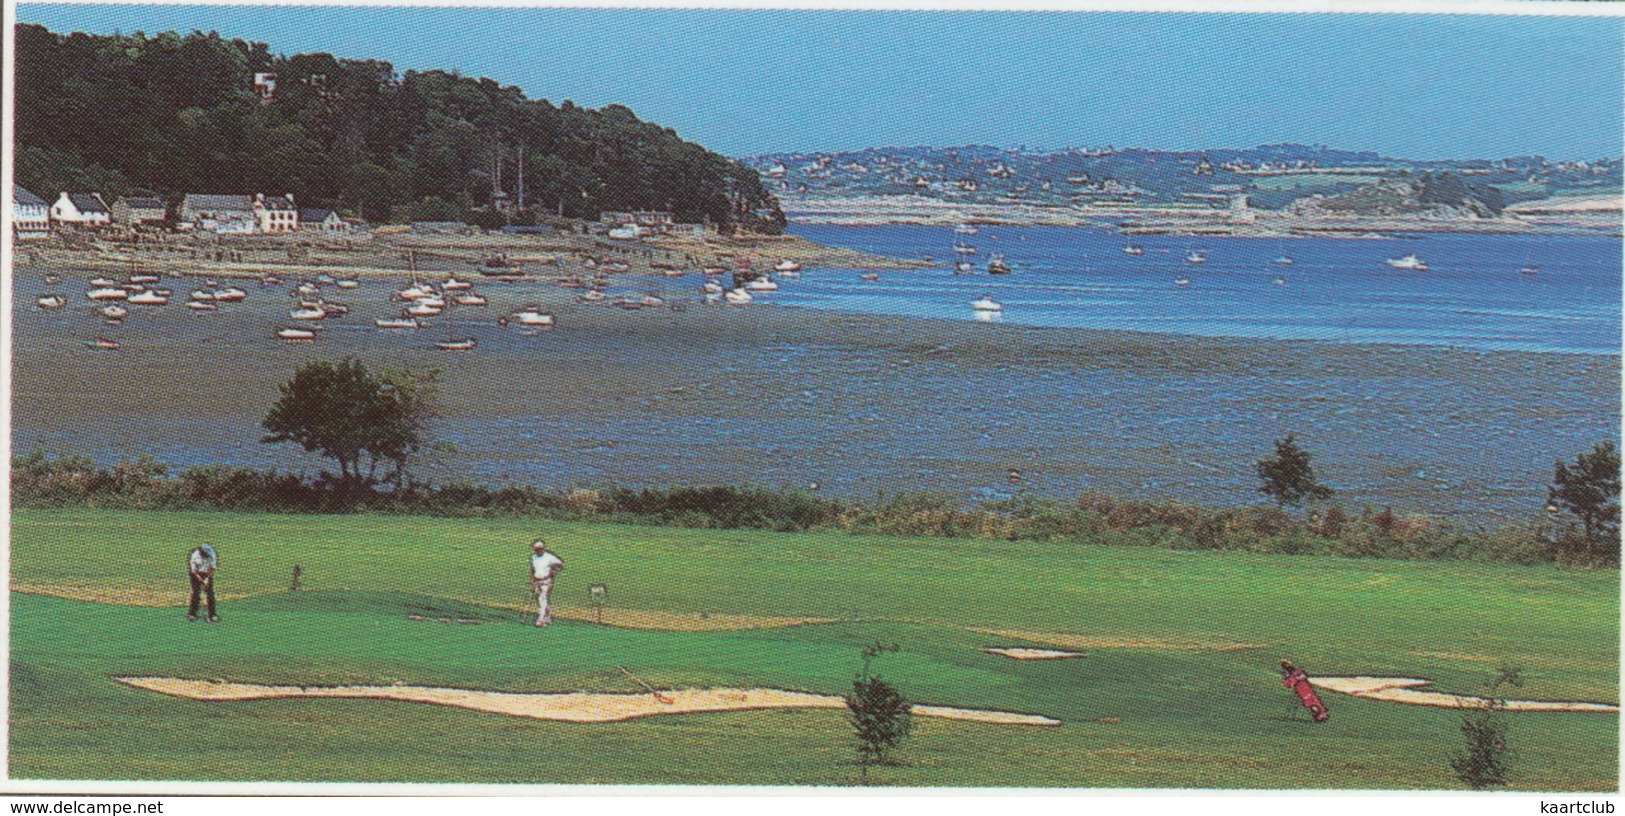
{"x": 737, "y": 297}
{"x": 107, "y": 293}
{"x": 787, "y": 265}
{"x": 148, "y": 299}
{"x": 103, "y": 283}
{"x": 1195, "y": 257}
{"x": 452, "y": 284}
{"x": 143, "y": 277}
{"x": 1529, "y": 270}
{"x": 762, "y": 285}
{"x": 230, "y": 294}
{"x": 103, "y": 343}
{"x": 592, "y": 296}
{"x": 455, "y": 345}
{"x": 986, "y": 303}
{"x": 114, "y": 312}
{"x": 1182, "y": 281}
{"x": 966, "y": 229}
{"x": 1134, "y": 249}
{"x": 205, "y": 295}
{"x": 202, "y": 305}
{"x": 469, "y": 299}
{"x": 869, "y": 276}
{"x": 51, "y": 301}
{"x": 296, "y": 335}
{"x": 397, "y": 323}
{"x": 420, "y": 310}
{"x": 711, "y": 288}
{"x": 1411, "y": 262}
{"x": 532, "y": 316}
{"x": 303, "y": 313}
{"x": 996, "y": 265}
{"x": 415, "y": 292}
{"x": 347, "y": 283}
{"x": 1284, "y": 260}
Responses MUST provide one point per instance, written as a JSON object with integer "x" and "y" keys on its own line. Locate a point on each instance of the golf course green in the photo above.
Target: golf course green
{"x": 1178, "y": 686}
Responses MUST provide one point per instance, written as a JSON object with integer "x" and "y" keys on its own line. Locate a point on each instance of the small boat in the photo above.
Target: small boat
{"x": 531, "y": 316}
{"x": 1182, "y": 281}
{"x": 335, "y": 309}
{"x": 966, "y": 229}
{"x": 762, "y": 285}
{"x": 964, "y": 267}
{"x": 296, "y": 335}
{"x": 652, "y": 302}
{"x": 869, "y": 276}
{"x": 103, "y": 283}
{"x": 210, "y": 282}
{"x": 1411, "y": 262}
{"x": 786, "y": 265}
{"x": 1195, "y": 257}
{"x": 629, "y": 303}
{"x": 270, "y": 280}
{"x": 415, "y": 292}
{"x": 711, "y": 288}
{"x": 230, "y": 294}
{"x": 51, "y": 301}
{"x": 140, "y": 277}
{"x": 452, "y": 284}
{"x": 303, "y": 288}
{"x": 433, "y": 302}
{"x": 673, "y": 273}
{"x": 52, "y": 277}
{"x": 205, "y": 294}
{"x": 1134, "y": 249}
{"x": 1279, "y": 281}
{"x": 420, "y": 310}
{"x": 114, "y": 312}
{"x": 964, "y": 249}
{"x": 148, "y": 299}
{"x": 107, "y": 293}
{"x": 987, "y": 304}
{"x": 715, "y": 270}
{"x": 1284, "y": 260}
{"x": 1529, "y": 270}
{"x": 202, "y": 305}
{"x": 455, "y": 345}
{"x": 397, "y": 323}
{"x": 102, "y": 343}
{"x": 791, "y": 275}
{"x": 737, "y": 297}
{"x": 347, "y": 283}
{"x": 592, "y": 296}
{"x": 996, "y": 265}
{"x": 325, "y": 278}
{"x": 307, "y": 314}
{"x": 469, "y": 299}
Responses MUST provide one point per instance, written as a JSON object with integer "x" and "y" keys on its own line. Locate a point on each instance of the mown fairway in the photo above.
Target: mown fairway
{"x": 1190, "y": 716}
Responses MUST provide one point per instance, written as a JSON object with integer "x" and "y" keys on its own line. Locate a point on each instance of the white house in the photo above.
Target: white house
{"x": 220, "y": 213}
{"x": 82, "y": 209}
{"x": 30, "y": 214}
{"x": 273, "y": 214}
{"x": 317, "y": 218}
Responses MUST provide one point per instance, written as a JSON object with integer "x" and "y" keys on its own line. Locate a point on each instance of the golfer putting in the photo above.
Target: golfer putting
{"x": 201, "y": 563}
{"x": 544, "y": 564}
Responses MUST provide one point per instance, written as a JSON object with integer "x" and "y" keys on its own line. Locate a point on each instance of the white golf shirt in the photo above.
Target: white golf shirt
{"x": 202, "y": 563}
{"x": 543, "y": 563}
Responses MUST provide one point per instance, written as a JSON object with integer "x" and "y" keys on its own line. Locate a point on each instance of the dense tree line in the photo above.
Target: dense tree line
{"x": 169, "y": 114}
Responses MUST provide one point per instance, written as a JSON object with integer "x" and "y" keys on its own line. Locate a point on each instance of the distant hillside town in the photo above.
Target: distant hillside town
{"x": 1295, "y": 180}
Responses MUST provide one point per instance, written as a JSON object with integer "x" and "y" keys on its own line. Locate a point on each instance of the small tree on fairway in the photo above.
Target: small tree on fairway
{"x": 1287, "y": 476}
{"x": 879, "y": 714}
{"x": 345, "y": 413}
{"x": 1589, "y": 491}
{"x": 1486, "y": 759}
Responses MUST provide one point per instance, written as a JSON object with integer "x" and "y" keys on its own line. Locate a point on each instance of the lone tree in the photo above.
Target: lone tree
{"x": 1486, "y": 759}
{"x": 879, "y": 714}
{"x": 361, "y": 421}
{"x": 1588, "y": 490}
{"x": 1287, "y": 476}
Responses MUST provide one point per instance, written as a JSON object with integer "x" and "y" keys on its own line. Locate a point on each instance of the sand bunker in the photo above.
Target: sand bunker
{"x": 1072, "y": 641}
{"x": 1020, "y": 653}
{"x": 1403, "y": 690}
{"x": 585, "y": 707}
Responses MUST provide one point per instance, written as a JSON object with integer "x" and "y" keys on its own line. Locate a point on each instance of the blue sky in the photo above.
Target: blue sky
{"x": 746, "y": 82}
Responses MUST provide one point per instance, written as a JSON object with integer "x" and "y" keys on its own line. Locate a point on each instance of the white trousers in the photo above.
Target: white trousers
{"x": 544, "y": 610}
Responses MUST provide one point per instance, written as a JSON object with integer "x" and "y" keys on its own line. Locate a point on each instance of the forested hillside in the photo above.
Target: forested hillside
{"x": 169, "y": 114}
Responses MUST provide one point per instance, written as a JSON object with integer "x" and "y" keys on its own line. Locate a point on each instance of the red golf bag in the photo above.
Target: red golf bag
{"x": 1295, "y": 679}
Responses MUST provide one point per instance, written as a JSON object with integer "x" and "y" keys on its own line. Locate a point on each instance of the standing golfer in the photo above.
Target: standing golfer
{"x": 200, "y": 567}
{"x": 543, "y": 566}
